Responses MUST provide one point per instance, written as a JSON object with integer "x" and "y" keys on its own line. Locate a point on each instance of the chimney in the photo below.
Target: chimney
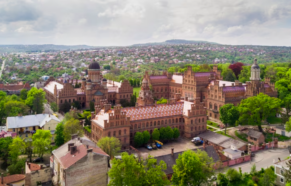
{"x": 69, "y": 146}
{"x": 232, "y": 84}
{"x": 107, "y": 107}
{"x": 92, "y": 115}
{"x": 73, "y": 149}
{"x": 172, "y": 151}
{"x": 49, "y": 115}
{"x": 89, "y": 150}
{"x": 279, "y": 159}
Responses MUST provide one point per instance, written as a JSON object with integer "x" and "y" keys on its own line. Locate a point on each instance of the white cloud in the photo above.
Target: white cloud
{"x": 114, "y": 22}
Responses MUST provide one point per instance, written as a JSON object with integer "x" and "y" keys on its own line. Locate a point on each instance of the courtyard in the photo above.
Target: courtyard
{"x": 179, "y": 145}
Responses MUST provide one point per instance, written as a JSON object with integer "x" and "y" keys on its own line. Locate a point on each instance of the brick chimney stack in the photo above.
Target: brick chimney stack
{"x": 172, "y": 152}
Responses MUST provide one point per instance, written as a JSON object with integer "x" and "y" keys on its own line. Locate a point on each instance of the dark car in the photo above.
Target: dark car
{"x": 37, "y": 160}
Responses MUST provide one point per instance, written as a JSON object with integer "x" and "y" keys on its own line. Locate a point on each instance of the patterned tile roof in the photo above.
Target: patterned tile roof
{"x": 234, "y": 89}
{"x": 203, "y": 74}
{"x": 148, "y": 112}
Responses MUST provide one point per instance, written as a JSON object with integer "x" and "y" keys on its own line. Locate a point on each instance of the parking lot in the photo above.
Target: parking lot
{"x": 179, "y": 145}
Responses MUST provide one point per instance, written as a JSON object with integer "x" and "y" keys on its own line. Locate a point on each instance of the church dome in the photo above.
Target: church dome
{"x": 94, "y": 65}
{"x": 255, "y": 65}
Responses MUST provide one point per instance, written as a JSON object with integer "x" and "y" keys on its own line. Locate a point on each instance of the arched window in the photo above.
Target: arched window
{"x": 169, "y": 121}
{"x": 147, "y": 124}
{"x": 109, "y": 134}
{"x": 151, "y": 123}
{"x": 202, "y": 119}
{"x": 135, "y": 126}
{"x": 199, "y": 120}
{"x": 119, "y": 132}
{"x": 162, "y": 122}
{"x": 215, "y": 107}
{"x": 158, "y": 122}
{"x": 210, "y": 105}
{"x": 124, "y": 131}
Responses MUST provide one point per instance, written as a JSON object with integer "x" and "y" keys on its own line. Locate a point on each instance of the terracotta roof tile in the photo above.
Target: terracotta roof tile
{"x": 13, "y": 178}
{"x": 34, "y": 167}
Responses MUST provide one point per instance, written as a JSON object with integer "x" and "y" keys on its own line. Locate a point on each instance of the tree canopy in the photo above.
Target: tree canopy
{"x": 36, "y": 99}
{"x": 110, "y": 145}
{"x": 71, "y": 127}
{"x": 41, "y": 141}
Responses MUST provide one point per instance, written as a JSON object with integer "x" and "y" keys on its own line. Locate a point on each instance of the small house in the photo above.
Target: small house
{"x": 256, "y": 137}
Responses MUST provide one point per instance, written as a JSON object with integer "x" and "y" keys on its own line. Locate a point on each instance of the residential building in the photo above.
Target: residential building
{"x": 280, "y": 168}
{"x": 36, "y": 174}
{"x": 256, "y": 137}
{"x": 79, "y": 162}
{"x": 13, "y": 88}
{"x": 25, "y": 126}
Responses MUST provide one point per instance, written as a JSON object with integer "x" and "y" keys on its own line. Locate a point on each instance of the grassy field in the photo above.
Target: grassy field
{"x": 136, "y": 91}
{"x": 269, "y": 137}
{"x": 212, "y": 124}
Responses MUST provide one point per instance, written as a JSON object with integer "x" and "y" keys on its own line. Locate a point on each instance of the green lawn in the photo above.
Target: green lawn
{"x": 274, "y": 120}
{"x": 241, "y": 136}
{"x": 136, "y": 91}
{"x": 269, "y": 137}
{"x": 212, "y": 124}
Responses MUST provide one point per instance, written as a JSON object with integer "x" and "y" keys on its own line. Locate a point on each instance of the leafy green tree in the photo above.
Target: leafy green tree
{"x": 72, "y": 127}
{"x": 54, "y": 107}
{"x": 245, "y": 74}
{"x": 186, "y": 174}
{"x": 256, "y": 109}
{"x": 23, "y": 94}
{"x": 60, "y": 139}
{"x": 229, "y": 75}
{"x": 138, "y": 139}
{"x": 110, "y": 145}
{"x": 107, "y": 67}
{"x": 162, "y": 101}
{"x": 36, "y": 99}
{"x": 222, "y": 180}
{"x": 41, "y": 141}
{"x": 17, "y": 167}
{"x": 2, "y": 106}
{"x": 169, "y": 133}
{"x": 233, "y": 175}
{"x": 92, "y": 106}
{"x": 146, "y": 137}
{"x": 156, "y": 134}
{"x": 13, "y": 108}
{"x": 4, "y": 148}
{"x": 65, "y": 107}
{"x": 86, "y": 115}
{"x": 16, "y": 148}
{"x": 176, "y": 133}
{"x": 163, "y": 135}
{"x": 269, "y": 177}
{"x": 132, "y": 171}
{"x": 228, "y": 114}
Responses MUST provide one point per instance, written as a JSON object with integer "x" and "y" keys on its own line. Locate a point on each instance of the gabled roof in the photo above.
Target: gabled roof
{"x": 13, "y": 178}
{"x": 254, "y": 134}
{"x": 30, "y": 120}
{"x": 98, "y": 93}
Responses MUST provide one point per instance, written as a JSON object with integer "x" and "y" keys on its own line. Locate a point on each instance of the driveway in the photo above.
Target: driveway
{"x": 179, "y": 145}
{"x": 264, "y": 159}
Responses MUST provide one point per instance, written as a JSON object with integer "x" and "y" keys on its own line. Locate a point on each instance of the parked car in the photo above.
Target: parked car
{"x": 154, "y": 146}
{"x": 159, "y": 142}
{"x": 197, "y": 141}
{"x": 158, "y": 145}
{"x": 37, "y": 160}
{"x": 149, "y": 147}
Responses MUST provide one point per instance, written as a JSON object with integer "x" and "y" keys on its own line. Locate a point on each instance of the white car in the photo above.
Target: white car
{"x": 196, "y": 139}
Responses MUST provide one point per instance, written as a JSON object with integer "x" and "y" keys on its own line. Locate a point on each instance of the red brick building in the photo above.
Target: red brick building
{"x": 93, "y": 89}
{"x": 14, "y": 88}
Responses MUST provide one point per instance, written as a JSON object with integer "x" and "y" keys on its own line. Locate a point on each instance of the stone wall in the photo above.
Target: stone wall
{"x": 43, "y": 175}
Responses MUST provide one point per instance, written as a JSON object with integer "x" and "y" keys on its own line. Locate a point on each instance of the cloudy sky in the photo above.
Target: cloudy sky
{"x": 126, "y": 22}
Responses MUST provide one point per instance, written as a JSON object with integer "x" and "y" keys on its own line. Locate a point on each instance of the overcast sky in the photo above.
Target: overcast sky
{"x": 126, "y": 22}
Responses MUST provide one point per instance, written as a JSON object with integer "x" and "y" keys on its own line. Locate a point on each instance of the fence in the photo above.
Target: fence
{"x": 228, "y": 163}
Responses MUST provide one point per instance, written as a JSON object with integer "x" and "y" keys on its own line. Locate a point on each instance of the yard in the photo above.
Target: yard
{"x": 212, "y": 124}
{"x": 136, "y": 91}
{"x": 222, "y": 133}
{"x": 269, "y": 137}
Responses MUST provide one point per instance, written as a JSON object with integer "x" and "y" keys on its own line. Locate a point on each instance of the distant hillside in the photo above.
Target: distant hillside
{"x": 40, "y": 48}
{"x": 175, "y": 41}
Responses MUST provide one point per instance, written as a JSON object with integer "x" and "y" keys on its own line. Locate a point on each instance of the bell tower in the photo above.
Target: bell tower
{"x": 255, "y": 72}
{"x": 145, "y": 95}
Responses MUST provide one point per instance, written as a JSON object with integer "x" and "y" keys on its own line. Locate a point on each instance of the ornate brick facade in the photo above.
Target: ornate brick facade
{"x": 93, "y": 89}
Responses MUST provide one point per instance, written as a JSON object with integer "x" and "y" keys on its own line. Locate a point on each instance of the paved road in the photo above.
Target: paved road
{"x": 2, "y": 68}
{"x": 264, "y": 159}
{"x": 48, "y": 110}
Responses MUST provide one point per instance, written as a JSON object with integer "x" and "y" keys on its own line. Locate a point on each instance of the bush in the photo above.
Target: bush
{"x": 88, "y": 129}
{"x": 138, "y": 139}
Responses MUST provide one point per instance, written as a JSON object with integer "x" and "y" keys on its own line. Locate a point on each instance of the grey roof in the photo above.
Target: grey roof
{"x": 221, "y": 140}
{"x": 170, "y": 159}
{"x": 98, "y": 93}
{"x": 254, "y": 134}
{"x": 230, "y": 151}
{"x": 29, "y": 120}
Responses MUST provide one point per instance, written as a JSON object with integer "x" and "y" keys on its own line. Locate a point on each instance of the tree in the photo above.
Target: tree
{"x": 110, "y": 145}
{"x": 59, "y": 140}
{"x": 233, "y": 175}
{"x": 287, "y": 171}
{"x": 146, "y": 137}
{"x": 256, "y": 109}
{"x": 23, "y": 94}
{"x": 72, "y": 127}
{"x": 138, "y": 139}
{"x": 17, "y": 167}
{"x": 4, "y": 148}
{"x": 13, "y": 108}
{"x": 156, "y": 134}
{"x": 107, "y": 67}
{"x": 186, "y": 174}
{"x": 92, "y": 106}
{"x": 41, "y": 141}
{"x": 228, "y": 114}
{"x": 133, "y": 171}
{"x": 2, "y": 106}
{"x": 65, "y": 107}
{"x": 54, "y": 107}
{"x": 229, "y": 75}
{"x": 16, "y": 148}
{"x": 36, "y": 99}
{"x": 245, "y": 74}
{"x": 269, "y": 177}
{"x": 163, "y": 135}
{"x": 176, "y": 133}
{"x": 169, "y": 133}
{"x": 236, "y": 68}
{"x": 162, "y": 101}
